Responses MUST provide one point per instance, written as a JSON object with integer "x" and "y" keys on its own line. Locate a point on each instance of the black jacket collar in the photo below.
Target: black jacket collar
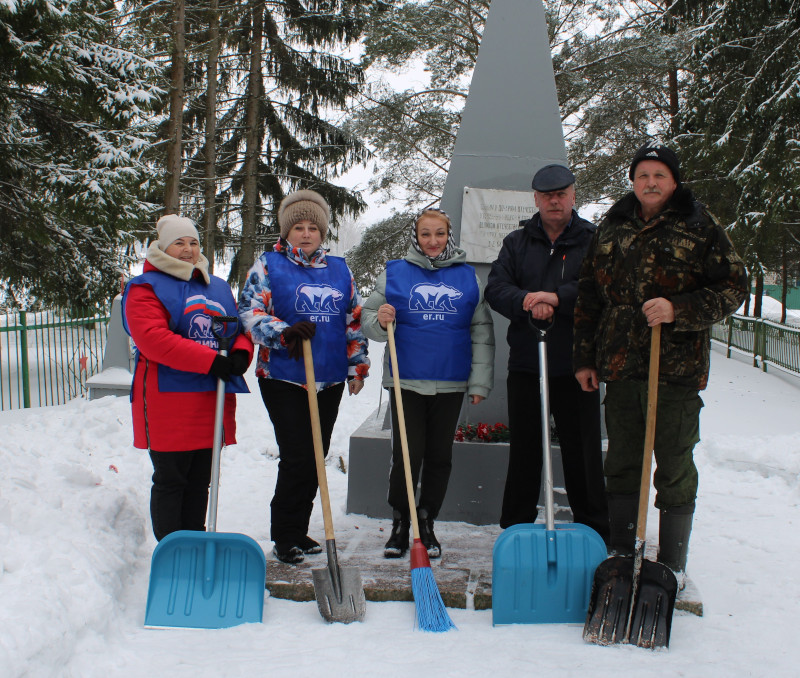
{"x": 576, "y": 229}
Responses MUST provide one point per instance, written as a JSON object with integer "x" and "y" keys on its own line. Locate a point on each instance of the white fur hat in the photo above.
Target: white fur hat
{"x": 170, "y": 227}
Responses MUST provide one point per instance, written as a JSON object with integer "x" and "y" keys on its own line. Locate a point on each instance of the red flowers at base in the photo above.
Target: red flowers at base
{"x": 483, "y": 433}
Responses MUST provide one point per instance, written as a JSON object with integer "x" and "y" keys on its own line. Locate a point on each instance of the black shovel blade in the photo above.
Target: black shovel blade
{"x": 611, "y": 599}
{"x": 655, "y": 603}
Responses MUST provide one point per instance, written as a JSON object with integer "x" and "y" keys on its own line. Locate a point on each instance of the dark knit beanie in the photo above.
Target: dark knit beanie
{"x": 662, "y": 154}
{"x": 302, "y": 205}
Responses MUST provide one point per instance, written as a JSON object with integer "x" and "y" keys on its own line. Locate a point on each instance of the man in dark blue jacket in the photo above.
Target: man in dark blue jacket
{"x": 536, "y": 275}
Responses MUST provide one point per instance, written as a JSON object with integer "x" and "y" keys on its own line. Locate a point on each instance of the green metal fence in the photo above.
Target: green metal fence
{"x": 769, "y": 343}
{"x": 47, "y": 356}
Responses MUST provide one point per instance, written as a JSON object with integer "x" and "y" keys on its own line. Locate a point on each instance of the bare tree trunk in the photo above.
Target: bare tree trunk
{"x": 210, "y": 151}
{"x": 672, "y": 79}
{"x": 176, "y": 96}
{"x": 255, "y": 86}
{"x": 758, "y": 294}
{"x": 784, "y": 276}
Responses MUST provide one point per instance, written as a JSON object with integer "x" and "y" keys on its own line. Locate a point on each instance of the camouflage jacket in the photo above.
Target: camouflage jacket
{"x": 682, "y": 254}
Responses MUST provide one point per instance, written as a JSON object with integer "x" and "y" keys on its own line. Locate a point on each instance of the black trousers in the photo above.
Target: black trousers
{"x": 577, "y": 419}
{"x": 179, "y": 496}
{"x": 296, "y": 485}
{"x": 431, "y": 422}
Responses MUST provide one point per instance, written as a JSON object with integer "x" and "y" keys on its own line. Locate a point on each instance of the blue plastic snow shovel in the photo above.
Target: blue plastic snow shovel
{"x": 207, "y": 580}
{"x": 543, "y": 573}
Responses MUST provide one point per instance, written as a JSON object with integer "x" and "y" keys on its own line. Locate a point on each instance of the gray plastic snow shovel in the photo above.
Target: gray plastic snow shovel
{"x": 207, "y": 580}
{"x": 633, "y": 598}
{"x": 543, "y": 573}
{"x": 339, "y": 592}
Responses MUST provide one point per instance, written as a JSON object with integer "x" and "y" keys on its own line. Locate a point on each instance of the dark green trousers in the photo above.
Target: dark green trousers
{"x": 677, "y": 432}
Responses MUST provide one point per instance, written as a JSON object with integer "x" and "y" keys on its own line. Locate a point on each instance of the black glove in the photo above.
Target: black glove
{"x": 293, "y": 337}
{"x": 240, "y": 361}
{"x": 221, "y": 368}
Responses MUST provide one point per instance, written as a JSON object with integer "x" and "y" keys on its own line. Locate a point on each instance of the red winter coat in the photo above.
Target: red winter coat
{"x": 172, "y": 422}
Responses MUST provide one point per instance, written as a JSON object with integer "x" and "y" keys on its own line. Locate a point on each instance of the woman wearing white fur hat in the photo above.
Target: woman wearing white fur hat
{"x": 167, "y": 311}
{"x": 293, "y": 293}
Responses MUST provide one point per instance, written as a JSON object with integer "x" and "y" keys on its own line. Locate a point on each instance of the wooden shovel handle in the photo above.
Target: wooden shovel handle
{"x": 316, "y": 434}
{"x": 401, "y": 421}
{"x": 649, "y": 431}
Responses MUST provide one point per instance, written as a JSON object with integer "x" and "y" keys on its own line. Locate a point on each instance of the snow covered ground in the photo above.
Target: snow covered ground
{"x": 75, "y": 546}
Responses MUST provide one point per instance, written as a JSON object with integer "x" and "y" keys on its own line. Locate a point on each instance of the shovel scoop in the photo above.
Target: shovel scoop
{"x": 633, "y": 598}
{"x": 339, "y": 592}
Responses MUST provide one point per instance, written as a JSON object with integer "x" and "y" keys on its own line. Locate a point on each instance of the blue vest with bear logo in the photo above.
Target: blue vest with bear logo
{"x": 434, "y": 312}
{"x": 190, "y": 305}
{"x": 318, "y": 295}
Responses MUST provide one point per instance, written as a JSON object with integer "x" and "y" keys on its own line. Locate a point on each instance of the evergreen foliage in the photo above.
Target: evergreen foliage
{"x": 281, "y": 79}
{"x": 741, "y": 124}
{"x": 73, "y": 93}
{"x": 388, "y": 239}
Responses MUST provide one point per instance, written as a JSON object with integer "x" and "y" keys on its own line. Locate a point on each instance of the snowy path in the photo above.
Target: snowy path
{"x": 75, "y": 547}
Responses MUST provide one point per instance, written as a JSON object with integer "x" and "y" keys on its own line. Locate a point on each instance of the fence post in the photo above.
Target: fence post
{"x": 23, "y": 336}
{"x": 729, "y": 321}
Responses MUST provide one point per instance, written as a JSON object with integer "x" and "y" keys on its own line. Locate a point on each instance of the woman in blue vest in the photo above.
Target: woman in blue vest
{"x": 168, "y": 312}
{"x": 445, "y": 346}
{"x": 293, "y": 293}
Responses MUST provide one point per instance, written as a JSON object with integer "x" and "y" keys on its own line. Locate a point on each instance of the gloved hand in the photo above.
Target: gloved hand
{"x": 293, "y": 337}
{"x": 240, "y": 361}
{"x": 221, "y": 368}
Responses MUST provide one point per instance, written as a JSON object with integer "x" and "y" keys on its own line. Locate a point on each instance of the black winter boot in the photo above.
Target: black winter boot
{"x": 398, "y": 541}
{"x": 288, "y": 552}
{"x": 623, "y": 510}
{"x": 674, "y": 530}
{"x": 426, "y": 534}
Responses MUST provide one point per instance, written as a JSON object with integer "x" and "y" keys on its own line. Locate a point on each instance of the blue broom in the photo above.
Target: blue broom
{"x": 431, "y": 611}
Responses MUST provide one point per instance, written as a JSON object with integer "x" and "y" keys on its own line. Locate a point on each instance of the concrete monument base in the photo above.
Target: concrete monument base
{"x": 475, "y": 491}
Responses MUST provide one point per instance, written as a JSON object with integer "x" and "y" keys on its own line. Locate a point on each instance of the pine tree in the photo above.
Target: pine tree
{"x": 741, "y": 126}
{"x": 73, "y": 95}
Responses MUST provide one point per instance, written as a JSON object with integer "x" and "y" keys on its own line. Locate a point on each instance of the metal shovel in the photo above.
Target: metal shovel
{"x": 207, "y": 580}
{"x": 633, "y": 598}
{"x": 339, "y": 592}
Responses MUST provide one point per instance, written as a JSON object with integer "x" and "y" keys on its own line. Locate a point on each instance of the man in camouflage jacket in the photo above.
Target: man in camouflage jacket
{"x": 658, "y": 257}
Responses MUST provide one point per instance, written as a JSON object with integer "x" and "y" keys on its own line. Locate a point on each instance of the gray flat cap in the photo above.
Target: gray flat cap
{"x": 552, "y": 178}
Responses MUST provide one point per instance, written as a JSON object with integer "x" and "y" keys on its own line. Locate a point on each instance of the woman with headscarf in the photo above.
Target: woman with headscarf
{"x": 445, "y": 345}
{"x": 295, "y": 292}
{"x": 168, "y": 311}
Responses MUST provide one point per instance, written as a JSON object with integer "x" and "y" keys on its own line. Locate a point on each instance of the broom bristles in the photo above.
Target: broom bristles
{"x": 431, "y": 610}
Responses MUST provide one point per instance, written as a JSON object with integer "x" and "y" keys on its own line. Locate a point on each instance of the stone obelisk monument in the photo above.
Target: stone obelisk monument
{"x": 510, "y": 128}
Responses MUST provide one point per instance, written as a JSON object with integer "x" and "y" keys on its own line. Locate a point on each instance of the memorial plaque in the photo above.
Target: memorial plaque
{"x": 487, "y": 216}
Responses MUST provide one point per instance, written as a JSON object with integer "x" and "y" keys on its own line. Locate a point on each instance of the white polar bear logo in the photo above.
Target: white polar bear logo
{"x": 317, "y": 299}
{"x": 200, "y": 327}
{"x": 430, "y": 297}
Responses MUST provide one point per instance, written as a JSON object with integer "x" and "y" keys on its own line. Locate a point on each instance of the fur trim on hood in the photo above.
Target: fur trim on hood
{"x": 182, "y": 270}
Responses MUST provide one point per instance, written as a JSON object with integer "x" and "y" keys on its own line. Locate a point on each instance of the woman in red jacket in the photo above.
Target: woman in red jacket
{"x": 168, "y": 311}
